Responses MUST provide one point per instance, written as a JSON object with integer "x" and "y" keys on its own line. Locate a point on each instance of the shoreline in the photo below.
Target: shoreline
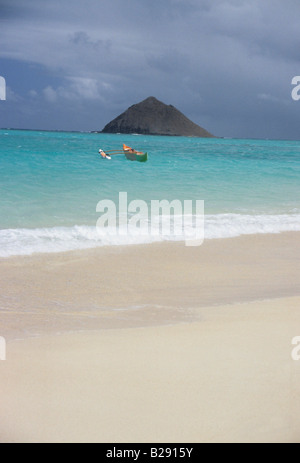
{"x": 138, "y": 285}
{"x": 27, "y": 242}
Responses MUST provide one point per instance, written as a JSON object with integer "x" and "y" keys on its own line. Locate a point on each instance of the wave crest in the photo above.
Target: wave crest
{"x": 24, "y": 241}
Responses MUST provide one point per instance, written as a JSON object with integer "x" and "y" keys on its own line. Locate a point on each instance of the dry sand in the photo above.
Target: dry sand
{"x": 160, "y": 343}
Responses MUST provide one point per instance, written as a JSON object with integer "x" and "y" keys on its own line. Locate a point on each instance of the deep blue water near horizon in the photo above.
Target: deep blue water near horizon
{"x": 51, "y": 183}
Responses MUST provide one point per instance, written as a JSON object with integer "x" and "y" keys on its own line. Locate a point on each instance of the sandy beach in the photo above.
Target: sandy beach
{"x": 153, "y": 343}
{"x": 127, "y": 136}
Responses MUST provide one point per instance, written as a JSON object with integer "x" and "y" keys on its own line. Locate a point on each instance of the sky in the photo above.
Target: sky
{"x": 228, "y": 65}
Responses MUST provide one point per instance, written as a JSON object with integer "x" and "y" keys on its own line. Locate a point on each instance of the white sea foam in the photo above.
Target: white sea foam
{"x": 25, "y": 241}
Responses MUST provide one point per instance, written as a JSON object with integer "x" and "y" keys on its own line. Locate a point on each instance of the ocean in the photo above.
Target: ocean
{"x": 52, "y": 182}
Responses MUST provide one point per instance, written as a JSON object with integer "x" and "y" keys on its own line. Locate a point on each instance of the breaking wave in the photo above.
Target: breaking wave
{"x": 25, "y": 241}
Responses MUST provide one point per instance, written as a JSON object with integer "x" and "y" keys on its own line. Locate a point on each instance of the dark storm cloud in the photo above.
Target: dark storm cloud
{"x": 225, "y": 63}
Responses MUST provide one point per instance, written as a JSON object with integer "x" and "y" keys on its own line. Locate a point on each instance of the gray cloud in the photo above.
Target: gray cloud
{"x": 226, "y": 63}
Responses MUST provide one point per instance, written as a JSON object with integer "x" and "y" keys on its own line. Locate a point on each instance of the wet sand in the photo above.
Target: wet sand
{"x": 159, "y": 343}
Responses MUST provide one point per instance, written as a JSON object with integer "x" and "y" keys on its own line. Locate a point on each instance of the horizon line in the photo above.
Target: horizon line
{"x": 141, "y": 134}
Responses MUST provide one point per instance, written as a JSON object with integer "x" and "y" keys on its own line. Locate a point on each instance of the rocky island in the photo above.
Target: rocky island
{"x": 152, "y": 117}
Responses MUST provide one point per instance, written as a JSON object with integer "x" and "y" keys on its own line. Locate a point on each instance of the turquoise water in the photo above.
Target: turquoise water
{"x": 51, "y": 183}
